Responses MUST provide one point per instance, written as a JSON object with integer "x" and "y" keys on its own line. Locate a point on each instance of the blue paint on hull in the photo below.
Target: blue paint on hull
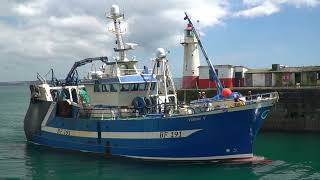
{"x": 222, "y": 134}
{"x": 59, "y": 141}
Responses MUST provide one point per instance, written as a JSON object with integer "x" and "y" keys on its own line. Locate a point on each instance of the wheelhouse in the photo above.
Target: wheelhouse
{"x": 120, "y": 83}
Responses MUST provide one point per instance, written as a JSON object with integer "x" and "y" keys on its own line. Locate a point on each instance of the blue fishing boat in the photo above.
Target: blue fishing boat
{"x": 123, "y": 111}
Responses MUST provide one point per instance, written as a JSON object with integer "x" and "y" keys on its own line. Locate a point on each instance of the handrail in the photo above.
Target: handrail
{"x": 123, "y": 112}
{"x": 259, "y": 97}
{"x": 41, "y": 79}
{"x": 249, "y": 98}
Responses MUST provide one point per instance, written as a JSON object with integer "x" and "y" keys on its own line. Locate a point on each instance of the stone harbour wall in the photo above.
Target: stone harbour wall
{"x": 298, "y": 109}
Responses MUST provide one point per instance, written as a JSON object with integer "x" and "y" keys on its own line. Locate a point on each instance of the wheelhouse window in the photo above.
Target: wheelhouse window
{"x": 124, "y": 69}
{"x": 134, "y": 87}
{"x": 65, "y": 94}
{"x": 74, "y": 95}
{"x": 142, "y": 87}
{"x": 153, "y": 86}
{"x": 145, "y": 86}
{"x": 124, "y": 87}
{"x": 105, "y": 87}
{"x": 96, "y": 87}
{"x": 113, "y": 88}
{"x": 55, "y": 94}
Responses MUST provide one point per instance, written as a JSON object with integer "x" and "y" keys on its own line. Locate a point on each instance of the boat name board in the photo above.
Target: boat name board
{"x": 65, "y": 132}
{"x": 170, "y": 134}
{"x": 195, "y": 119}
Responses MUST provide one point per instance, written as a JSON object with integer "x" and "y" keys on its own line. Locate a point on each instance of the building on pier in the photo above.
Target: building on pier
{"x": 240, "y": 76}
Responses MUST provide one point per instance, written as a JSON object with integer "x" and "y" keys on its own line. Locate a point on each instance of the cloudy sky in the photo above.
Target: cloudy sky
{"x": 36, "y": 35}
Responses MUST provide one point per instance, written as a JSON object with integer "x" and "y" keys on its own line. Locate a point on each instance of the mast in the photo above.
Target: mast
{"x": 212, "y": 72}
{"x": 116, "y": 17}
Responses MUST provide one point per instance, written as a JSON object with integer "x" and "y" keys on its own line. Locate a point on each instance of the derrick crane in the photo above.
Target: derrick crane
{"x": 72, "y": 77}
{"x": 212, "y": 73}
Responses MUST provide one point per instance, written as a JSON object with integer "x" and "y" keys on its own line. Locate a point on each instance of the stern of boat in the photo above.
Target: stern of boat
{"x": 37, "y": 111}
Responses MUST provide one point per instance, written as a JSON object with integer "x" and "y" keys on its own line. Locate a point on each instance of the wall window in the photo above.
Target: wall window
{"x": 318, "y": 75}
{"x": 297, "y": 77}
{"x": 211, "y": 73}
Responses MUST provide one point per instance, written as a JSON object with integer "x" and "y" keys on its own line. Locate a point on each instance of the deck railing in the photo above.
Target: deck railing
{"x": 169, "y": 109}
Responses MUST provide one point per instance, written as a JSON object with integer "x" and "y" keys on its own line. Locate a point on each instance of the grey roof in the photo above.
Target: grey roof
{"x": 269, "y": 70}
{"x": 222, "y": 65}
{"x": 286, "y": 69}
{"x": 255, "y": 71}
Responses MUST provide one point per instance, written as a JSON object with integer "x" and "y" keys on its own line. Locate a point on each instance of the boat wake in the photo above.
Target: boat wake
{"x": 255, "y": 160}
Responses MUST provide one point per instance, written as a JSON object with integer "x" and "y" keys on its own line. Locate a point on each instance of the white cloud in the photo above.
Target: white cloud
{"x": 268, "y": 7}
{"x": 30, "y": 8}
{"x": 310, "y": 3}
{"x": 62, "y": 31}
{"x": 42, "y": 33}
{"x": 265, "y": 9}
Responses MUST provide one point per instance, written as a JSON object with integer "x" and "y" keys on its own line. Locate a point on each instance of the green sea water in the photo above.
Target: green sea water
{"x": 293, "y": 156}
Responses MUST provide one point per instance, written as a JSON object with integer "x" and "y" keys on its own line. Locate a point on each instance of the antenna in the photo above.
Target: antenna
{"x": 198, "y": 29}
{"x": 121, "y": 47}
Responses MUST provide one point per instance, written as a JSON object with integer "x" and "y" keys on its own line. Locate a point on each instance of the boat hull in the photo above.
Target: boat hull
{"x": 220, "y": 134}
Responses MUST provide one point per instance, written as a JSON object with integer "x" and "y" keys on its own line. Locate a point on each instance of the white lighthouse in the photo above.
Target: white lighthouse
{"x": 191, "y": 61}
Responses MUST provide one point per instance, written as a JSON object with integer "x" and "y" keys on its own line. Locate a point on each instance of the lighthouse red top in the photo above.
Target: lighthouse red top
{"x": 189, "y": 27}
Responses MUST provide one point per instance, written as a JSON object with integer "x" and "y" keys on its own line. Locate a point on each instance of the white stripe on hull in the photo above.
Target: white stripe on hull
{"x": 68, "y": 132}
{"x": 121, "y": 135}
{"x": 236, "y": 156}
{"x": 149, "y": 135}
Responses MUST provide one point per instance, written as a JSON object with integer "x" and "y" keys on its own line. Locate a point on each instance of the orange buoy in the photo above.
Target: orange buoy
{"x": 226, "y": 92}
